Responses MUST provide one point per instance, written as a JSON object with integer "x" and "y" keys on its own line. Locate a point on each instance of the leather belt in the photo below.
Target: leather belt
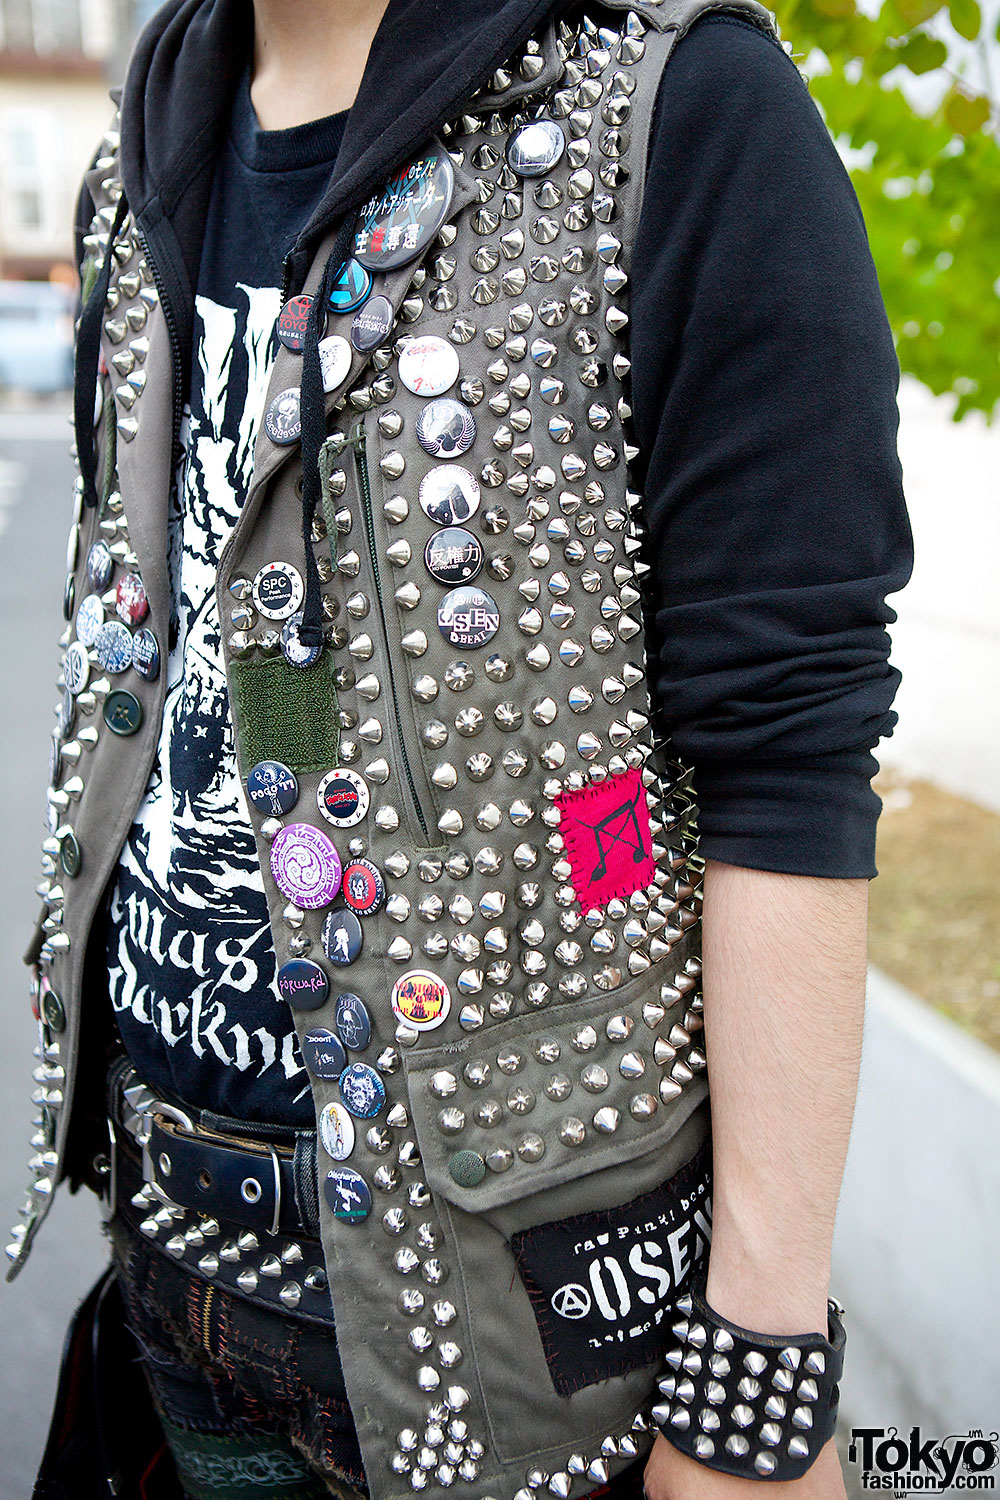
{"x": 262, "y": 1185}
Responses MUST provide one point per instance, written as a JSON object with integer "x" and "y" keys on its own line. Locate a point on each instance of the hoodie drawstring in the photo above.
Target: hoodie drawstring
{"x": 313, "y": 419}
{"x": 85, "y": 370}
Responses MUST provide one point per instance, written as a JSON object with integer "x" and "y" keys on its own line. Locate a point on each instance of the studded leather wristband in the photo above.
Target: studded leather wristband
{"x": 757, "y": 1405}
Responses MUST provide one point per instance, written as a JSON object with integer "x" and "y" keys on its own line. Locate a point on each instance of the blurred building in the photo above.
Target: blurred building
{"x": 58, "y": 58}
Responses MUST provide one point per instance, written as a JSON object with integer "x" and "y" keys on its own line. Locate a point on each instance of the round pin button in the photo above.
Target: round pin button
{"x": 294, "y": 652}
{"x": 100, "y": 566}
{"x": 292, "y": 322}
{"x": 76, "y": 667}
{"x": 467, "y": 1168}
{"x": 373, "y": 324}
{"x": 421, "y": 999}
{"x": 446, "y": 428}
{"x": 428, "y": 366}
{"x": 131, "y": 604}
{"x": 534, "y": 148}
{"x": 449, "y": 494}
{"x": 468, "y": 617}
{"x": 113, "y": 645}
{"x": 146, "y": 654}
{"x": 336, "y": 1131}
{"x": 334, "y": 361}
{"x": 122, "y": 713}
{"x": 348, "y": 1195}
{"x": 283, "y": 419}
{"x": 343, "y": 797}
{"x": 354, "y": 1024}
{"x": 453, "y": 555}
{"x": 394, "y": 226}
{"x": 302, "y": 983}
{"x": 351, "y": 287}
{"x": 66, "y": 717}
{"x": 305, "y": 866}
{"x": 89, "y": 619}
{"x": 363, "y": 887}
{"x": 362, "y": 1090}
{"x": 70, "y": 855}
{"x": 278, "y": 590}
{"x": 272, "y": 788}
{"x": 69, "y": 596}
{"x": 342, "y": 937}
{"x": 53, "y": 1010}
{"x": 324, "y": 1053}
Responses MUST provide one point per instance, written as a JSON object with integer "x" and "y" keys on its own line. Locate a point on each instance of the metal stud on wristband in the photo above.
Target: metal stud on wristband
{"x": 756, "y": 1405}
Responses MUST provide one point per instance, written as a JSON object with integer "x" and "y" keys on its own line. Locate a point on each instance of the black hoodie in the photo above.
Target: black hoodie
{"x": 764, "y": 382}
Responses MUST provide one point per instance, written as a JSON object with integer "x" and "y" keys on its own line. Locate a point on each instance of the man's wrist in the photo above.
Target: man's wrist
{"x": 773, "y": 1295}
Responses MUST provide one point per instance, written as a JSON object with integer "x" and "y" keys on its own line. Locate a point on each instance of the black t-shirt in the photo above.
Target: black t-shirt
{"x": 189, "y": 944}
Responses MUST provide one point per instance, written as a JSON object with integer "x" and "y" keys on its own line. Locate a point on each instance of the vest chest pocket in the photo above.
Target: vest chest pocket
{"x": 576, "y": 1201}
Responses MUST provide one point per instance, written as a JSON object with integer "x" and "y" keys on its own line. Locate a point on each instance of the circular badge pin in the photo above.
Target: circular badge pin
{"x": 535, "y": 148}
{"x": 131, "y": 604}
{"x": 453, "y": 555}
{"x": 113, "y": 645}
{"x": 394, "y": 226}
{"x": 421, "y": 999}
{"x": 146, "y": 654}
{"x": 100, "y": 566}
{"x": 343, "y": 797}
{"x": 373, "y": 324}
{"x": 272, "y": 788}
{"x": 294, "y": 652}
{"x": 303, "y": 984}
{"x": 354, "y": 1024}
{"x": 342, "y": 937}
{"x": 351, "y": 287}
{"x": 468, "y": 617}
{"x": 76, "y": 668}
{"x": 66, "y": 717}
{"x": 348, "y": 1195}
{"x": 123, "y": 713}
{"x": 449, "y": 494}
{"x": 292, "y": 322}
{"x": 324, "y": 1053}
{"x": 334, "y": 361}
{"x": 336, "y": 1131}
{"x": 363, "y": 887}
{"x": 362, "y": 1090}
{"x": 69, "y": 596}
{"x": 428, "y": 365}
{"x": 305, "y": 866}
{"x": 283, "y": 418}
{"x": 278, "y": 590}
{"x": 89, "y": 619}
{"x": 446, "y": 428}
{"x": 70, "y": 854}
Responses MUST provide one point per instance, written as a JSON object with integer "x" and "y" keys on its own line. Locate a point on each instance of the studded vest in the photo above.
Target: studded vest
{"x": 474, "y": 752}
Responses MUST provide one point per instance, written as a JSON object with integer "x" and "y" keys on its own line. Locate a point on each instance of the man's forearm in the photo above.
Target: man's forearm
{"x": 784, "y": 972}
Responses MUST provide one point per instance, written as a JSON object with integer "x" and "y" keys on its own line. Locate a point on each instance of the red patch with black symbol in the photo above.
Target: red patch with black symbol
{"x": 608, "y": 840}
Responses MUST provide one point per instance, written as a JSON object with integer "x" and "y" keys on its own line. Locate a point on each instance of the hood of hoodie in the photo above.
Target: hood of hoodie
{"x": 425, "y": 60}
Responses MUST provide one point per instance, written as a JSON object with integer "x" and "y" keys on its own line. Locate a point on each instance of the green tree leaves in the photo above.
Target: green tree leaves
{"x": 905, "y": 94}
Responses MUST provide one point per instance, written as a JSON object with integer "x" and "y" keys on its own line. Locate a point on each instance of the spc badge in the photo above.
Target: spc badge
{"x": 278, "y": 590}
{"x": 362, "y": 1090}
{"x": 348, "y": 1195}
{"x": 393, "y": 227}
{"x": 449, "y": 494}
{"x": 453, "y": 555}
{"x": 336, "y": 1131}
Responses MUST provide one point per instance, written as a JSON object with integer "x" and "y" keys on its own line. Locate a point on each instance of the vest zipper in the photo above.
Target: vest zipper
{"x": 359, "y": 442}
{"x": 177, "y": 393}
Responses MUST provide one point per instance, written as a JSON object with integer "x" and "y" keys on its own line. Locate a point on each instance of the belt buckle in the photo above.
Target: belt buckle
{"x": 169, "y": 1112}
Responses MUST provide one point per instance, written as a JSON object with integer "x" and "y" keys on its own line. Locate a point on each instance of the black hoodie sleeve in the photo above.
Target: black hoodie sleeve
{"x": 764, "y": 391}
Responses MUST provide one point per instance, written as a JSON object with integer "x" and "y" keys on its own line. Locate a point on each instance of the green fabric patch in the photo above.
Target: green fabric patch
{"x": 264, "y": 1467}
{"x": 287, "y": 713}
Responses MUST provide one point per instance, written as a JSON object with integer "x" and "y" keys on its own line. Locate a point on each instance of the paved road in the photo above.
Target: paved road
{"x": 35, "y": 497}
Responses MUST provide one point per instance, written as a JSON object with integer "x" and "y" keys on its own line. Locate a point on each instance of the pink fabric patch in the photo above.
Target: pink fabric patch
{"x": 608, "y": 842}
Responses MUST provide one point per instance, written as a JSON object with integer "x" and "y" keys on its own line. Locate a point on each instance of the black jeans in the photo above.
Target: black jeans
{"x": 252, "y": 1401}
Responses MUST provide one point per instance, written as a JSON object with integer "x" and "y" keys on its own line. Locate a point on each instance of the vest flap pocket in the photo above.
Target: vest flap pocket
{"x": 540, "y": 1100}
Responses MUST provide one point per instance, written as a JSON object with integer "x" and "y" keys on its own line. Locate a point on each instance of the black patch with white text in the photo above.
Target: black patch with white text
{"x": 602, "y": 1284}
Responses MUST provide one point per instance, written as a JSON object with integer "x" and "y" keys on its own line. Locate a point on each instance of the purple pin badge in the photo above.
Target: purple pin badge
{"x": 305, "y": 866}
